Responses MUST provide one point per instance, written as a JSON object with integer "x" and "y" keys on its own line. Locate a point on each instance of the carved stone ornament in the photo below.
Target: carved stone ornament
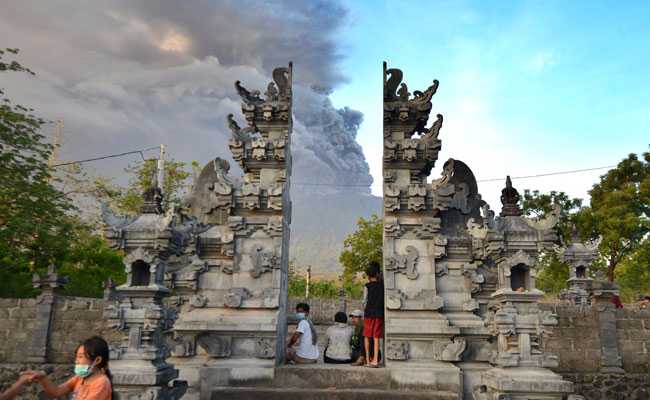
{"x": 390, "y": 147}
{"x": 265, "y": 348}
{"x": 235, "y": 297}
{"x": 520, "y": 257}
{"x": 139, "y": 254}
{"x": 275, "y": 196}
{"x": 215, "y": 345}
{"x": 416, "y": 197}
{"x": 198, "y": 301}
{"x": 184, "y": 346}
{"x": 263, "y": 261}
{"x": 397, "y": 350}
{"x": 394, "y": 299}
{"x": 428, "y": 228}
{"x": 546, "y": 223}
{"x": 510, "y": 200}
{"x": 391, "y": 197}
{"x": 392, "y": 227}
{"x": 251, "y": 195}
{"x": 279, "y": 146}
{"x": 274, "y": 226}
{"x": 449, "y": 350}
{"x": 239, "y": 134}
{"x": 405, "y": 264}
{"x": 409, "y": 149}
{"x": 259, "y": 149}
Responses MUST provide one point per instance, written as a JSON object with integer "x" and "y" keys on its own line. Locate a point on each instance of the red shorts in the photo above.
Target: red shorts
{"x": 373, "y": 327}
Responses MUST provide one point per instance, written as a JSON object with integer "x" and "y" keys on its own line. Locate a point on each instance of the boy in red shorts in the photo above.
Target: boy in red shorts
{"x": 373, "y": 322}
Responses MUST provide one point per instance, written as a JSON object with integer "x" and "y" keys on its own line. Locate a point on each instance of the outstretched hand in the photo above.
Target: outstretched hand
{"x": 30, "y": 376}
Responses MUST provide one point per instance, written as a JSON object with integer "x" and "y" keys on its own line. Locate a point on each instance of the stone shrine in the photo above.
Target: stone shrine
{"x": 461, "y": 302}
{"x": 138, "y": 363}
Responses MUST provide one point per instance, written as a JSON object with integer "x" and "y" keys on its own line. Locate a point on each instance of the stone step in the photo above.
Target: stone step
{"x": 256, "y": 393}
{"x": 325, "y": 376}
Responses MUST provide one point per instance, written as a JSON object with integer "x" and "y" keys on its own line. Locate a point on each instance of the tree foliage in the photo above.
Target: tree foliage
{"x": 633, "y": 274}
{"x": 554, "y": 273}
{"x": 35, "y": 225}
{"x": 129, "y": 199}
{"x": 619, "y": 212}
{"x": 361, "y": 247}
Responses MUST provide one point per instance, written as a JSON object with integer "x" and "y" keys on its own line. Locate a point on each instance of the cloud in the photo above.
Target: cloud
{"x": 541, "y": 61}
{"x": 125, "y": 75}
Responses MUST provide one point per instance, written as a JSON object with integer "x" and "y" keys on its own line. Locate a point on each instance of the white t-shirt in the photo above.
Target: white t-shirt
{"x": 306, "y": 349}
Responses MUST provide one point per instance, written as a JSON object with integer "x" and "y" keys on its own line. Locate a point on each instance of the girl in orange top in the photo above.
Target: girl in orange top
{"x": 92, "y": 380}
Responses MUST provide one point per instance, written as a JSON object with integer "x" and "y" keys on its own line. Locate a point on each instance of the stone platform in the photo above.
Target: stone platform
{"x": 320, "y": 381}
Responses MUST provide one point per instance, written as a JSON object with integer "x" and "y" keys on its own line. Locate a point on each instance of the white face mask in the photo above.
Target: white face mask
{"x": 300, "y": 316}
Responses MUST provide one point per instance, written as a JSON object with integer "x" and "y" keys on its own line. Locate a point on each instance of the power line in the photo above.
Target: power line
{"x": 109, "y": 156}
{"x": 481, "y": 180}
{"x": 549, "y": 174}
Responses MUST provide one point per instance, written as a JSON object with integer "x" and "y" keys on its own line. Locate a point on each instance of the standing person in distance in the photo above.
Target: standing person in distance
{"x": 373, "y": 321}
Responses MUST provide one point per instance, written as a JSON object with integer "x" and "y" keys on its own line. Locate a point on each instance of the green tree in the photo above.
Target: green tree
{"x": 619, "y": 211}
{"x": 633, "y": 274}
{"x": 35, "y": 225}
{"x": 89, "y": 263}
{"x": 554, "y": 273}
{"x": 540, "y": 205}
{"x": 129, "y": 199}
{"x": 361, "y": 247}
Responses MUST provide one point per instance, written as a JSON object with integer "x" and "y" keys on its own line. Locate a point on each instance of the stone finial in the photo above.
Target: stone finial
{"x": 51, "y": 282}
{"x": 153, "y": 197}
{"x": 510, "y": 200}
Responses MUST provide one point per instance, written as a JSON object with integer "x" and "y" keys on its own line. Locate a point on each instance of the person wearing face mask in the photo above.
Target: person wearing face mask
{"x": 305, "y": 336}
{"x": 92, "y": 380}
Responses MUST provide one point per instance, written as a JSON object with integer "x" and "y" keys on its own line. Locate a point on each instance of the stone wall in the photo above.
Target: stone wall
{"x": 576, "y": 340}
{"x": 633, "y": 334}
{"x": 74, "y": 319}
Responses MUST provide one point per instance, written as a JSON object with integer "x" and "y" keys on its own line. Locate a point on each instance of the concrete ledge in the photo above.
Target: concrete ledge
{"x": 244, "y": 393}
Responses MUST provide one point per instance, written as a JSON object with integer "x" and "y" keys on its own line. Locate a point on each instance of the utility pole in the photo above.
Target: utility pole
{"x": 308, "y": 282}
{"x": 56, "y": 142}
{"x": 161, "y": 168}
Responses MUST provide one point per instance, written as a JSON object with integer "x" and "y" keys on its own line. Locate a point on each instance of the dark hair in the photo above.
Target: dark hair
{"x": 373, "y": 269}
{"x": 340, "y": 317}
{"x": 95, "y": 347}
{"x": 304, "y": 306}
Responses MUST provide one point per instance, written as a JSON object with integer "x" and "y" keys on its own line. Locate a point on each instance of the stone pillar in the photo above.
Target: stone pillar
{"x": 611, "y": 361}
{"x": 50, "y": 284}
{"x": 420, "y": 343}
{"x": 232, "y": 285}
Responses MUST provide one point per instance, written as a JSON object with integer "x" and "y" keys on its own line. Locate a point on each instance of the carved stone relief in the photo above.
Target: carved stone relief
{"x": 397, "y": 350}
{"x": 215, "y": 345}
{"x": 405, "y": 264}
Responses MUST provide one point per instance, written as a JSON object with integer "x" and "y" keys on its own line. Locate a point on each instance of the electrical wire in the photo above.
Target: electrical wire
{"x": 480, "y": 180}
{"x": 109, "y": 156}
{"x": 549, "y": 174}
{"x": 141, "y": 151}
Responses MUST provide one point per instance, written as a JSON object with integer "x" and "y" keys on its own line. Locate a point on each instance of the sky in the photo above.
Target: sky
{"x": 526, "y": 87}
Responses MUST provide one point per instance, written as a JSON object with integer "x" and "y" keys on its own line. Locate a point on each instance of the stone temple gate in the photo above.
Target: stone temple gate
{"x": 207, "y": 283}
